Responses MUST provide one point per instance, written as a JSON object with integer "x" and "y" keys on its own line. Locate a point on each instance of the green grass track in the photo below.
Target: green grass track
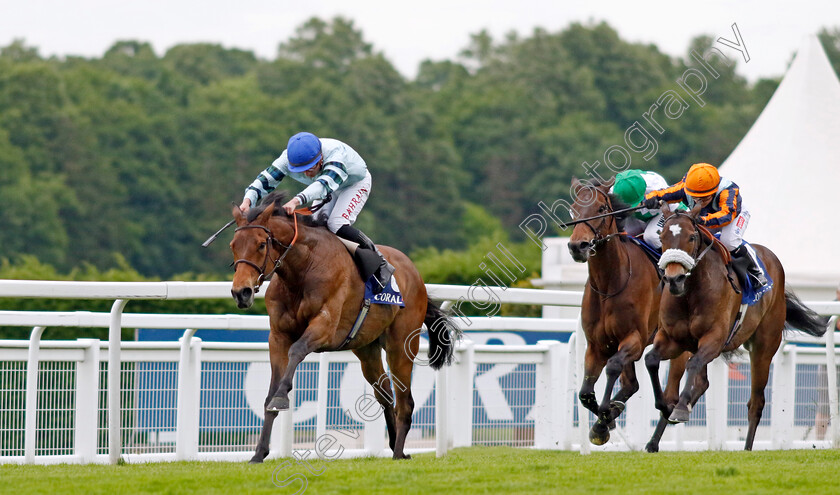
{"x": 463, "y": 471}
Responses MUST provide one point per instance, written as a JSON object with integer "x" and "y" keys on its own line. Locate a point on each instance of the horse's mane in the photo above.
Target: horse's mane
{"x": 279, "y": 198}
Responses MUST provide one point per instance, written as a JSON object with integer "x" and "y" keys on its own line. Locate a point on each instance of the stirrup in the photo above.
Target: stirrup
{"x": 383, "y": 274}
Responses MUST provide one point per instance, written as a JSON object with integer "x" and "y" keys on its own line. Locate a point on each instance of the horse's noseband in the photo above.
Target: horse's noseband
{"x": 271, "y": 241}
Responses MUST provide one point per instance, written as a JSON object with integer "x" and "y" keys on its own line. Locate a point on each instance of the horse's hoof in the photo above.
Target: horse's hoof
{"x": 652, "y": 447}
{"x": 611, "y": 426}
{"x": 277, "y": 404}
{"x": 401, "y": 457}
{"x": 255, "y": 460}
{"x": 680, "y": 414}
{"x": 599, "y": 434}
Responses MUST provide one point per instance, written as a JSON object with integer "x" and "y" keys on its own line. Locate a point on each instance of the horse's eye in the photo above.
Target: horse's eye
{"x": 262, "y": 246}
{"x": 602, "y": 209}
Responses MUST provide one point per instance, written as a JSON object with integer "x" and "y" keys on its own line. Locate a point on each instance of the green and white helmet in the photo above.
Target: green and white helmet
{"x": 630, "y": 187}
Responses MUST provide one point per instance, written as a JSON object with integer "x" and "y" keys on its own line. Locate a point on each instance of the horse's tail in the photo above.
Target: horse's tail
{"x": 803, "y": 318}
{"x": 443, "y": 333}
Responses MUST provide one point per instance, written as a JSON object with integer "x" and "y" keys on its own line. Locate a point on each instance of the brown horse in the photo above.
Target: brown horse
{"x": 313, "y": 301}
{"x": 700, "y": 307}
{"x": 620, "y": 304}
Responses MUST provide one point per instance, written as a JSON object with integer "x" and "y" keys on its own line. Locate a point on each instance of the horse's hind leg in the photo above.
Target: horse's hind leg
{"x": 370, "y": 357}
{"x": 401, "y": 366}
{"x": 761, "y": 354}
{"x": 278, "y": 347}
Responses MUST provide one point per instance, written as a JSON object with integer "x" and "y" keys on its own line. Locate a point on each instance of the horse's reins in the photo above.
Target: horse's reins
{"x": 601, "y": 239}
{"x": 271, "y": 242}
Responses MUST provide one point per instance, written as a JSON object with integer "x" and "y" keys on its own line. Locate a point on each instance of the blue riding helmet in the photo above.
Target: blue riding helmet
{"x": 304, "y": 151}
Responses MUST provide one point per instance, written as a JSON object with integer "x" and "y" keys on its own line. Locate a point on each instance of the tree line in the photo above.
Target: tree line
{"x": 131, "y": 160}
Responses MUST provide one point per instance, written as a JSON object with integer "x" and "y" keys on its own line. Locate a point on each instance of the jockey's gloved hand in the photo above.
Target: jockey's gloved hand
{"x": 651, "y": 203}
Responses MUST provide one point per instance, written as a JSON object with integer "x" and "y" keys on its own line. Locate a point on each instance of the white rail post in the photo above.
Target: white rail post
{"x": 784, "y": 391}
{"x": 717, "y": 404}
{"x": 831, "y": 375}
{"x": 114, "y": 391}
{"x": 30, "y": 421}
{"x": 583, "y": 413}
{"x": 636, "y": 417}
{"x": 189, "y": 396}
{"x": 323, "y": 395}
{"x": 570, "y": 400}
{"x": 374, "y": 430}
{"x": 549, "y": 413}
{"x": 441, "y": 412}
{"x": 284, "y": 436}
{"x": 87, "y": 391}
{"x": 461, "y": 391}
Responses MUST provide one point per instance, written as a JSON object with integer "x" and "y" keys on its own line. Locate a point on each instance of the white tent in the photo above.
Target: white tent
{"x": 788, "y": 169}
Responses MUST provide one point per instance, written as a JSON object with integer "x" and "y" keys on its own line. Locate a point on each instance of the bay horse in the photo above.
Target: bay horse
{"x": 620, "y": 307}
{"x": 699, "y": 310}
{"x": 314, "y": 299}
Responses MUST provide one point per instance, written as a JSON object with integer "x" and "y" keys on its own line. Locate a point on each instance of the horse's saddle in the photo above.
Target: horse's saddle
{"x": 651, "y": 252}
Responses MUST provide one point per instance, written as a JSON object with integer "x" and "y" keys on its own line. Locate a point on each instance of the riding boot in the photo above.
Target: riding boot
{"x": 368, "y": 257}
{"x": 753, "y": 269}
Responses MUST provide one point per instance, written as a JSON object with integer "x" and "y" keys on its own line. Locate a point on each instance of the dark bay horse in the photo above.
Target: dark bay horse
{"x": 699, "y": 309}
{"x": 313, "y": 300}
{"x": 620, "y": 307}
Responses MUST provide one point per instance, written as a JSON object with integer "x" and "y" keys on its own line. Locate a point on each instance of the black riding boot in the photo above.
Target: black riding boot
{"x": 368, "y": 257}
{"x": 753, "y": 270}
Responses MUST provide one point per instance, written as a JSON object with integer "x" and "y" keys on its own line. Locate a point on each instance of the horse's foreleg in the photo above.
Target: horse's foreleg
{"x": 669, "y": 398}
{"x": 278, "y": 347}
{"x": 707, "y": 350}
{"x": 297, "y": 352}
{"x": 628, "y": 353}
{"x": 592, "y": 366}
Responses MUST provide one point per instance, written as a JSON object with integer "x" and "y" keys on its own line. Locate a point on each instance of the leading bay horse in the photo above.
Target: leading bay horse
{"x": 698, "y": 313}
{"x": 620, "y": 307}
{"x": 313, "y": 300}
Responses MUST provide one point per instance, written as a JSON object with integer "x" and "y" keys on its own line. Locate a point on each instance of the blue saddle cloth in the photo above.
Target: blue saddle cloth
{"x": 749, "y": 295}
{"x": 390, "y": 295}
{"x": 652, "y": 253}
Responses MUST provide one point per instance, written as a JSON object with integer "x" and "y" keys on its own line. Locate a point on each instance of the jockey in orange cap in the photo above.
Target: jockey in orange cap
{"x": 722, "y": 210}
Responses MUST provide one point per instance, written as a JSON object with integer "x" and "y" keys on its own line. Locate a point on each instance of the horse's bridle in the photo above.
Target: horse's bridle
{"x": 600, "y": 239}
{"x": 271, "y": 241}
{"x": 699, "y": 233}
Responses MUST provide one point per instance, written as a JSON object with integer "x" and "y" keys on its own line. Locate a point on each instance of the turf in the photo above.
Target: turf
{"x": 463, "y": 471}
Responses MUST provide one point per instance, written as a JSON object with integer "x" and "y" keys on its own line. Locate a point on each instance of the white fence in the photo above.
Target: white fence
{"x": 58, "y": 397}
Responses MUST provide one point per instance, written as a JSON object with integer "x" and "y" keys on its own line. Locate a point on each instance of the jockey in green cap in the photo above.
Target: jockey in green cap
{"x": 631, "y": 186}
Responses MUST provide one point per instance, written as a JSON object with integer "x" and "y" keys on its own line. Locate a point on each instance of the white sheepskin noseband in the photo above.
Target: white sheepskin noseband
{"x": 676, "y": 256}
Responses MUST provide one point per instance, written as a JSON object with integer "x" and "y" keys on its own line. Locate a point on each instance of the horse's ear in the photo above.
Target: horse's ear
{"x": 238, "y": 216}
{"x": 666, "y": 209}
{"x": 266, "y": 214}
{"x": 576, "y": 185}
{"x": 695, "y": 211}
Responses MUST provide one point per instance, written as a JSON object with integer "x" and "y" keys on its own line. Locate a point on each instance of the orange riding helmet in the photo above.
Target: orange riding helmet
{"x": 701, "y": 180}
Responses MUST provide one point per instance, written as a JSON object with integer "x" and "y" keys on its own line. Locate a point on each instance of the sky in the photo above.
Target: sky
{"x": 409, "y": 32}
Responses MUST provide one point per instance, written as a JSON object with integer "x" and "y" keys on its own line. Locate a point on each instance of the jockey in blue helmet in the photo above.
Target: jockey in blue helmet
{"x": 334, "y": 173}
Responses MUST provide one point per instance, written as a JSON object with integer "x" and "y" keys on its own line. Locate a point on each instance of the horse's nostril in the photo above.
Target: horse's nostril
{"x": 681, "y": 278}
{"x": 247, "y": 292}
